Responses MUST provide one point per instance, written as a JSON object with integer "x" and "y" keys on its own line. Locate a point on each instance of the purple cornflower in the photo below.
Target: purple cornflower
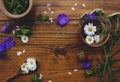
{"x": 6, "y": 28}
{"x": 91, "y": 16}
{"x": 62, "y": 19}
{"x": 8, "y": 41}
{"x": 86, "y": 64}
{"x": 2, "y": 47}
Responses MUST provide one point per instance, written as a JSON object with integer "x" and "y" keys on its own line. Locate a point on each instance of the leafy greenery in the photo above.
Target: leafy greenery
{"x": 101, "y": 69}
{"x": 43, "y": 18}
{"x": 98, "y": 12}
{"x": 16, "y": 6}
{"x": 35, "y": 78}
{"x": 81, "y": 53}
{"x": 23, "y": 30}
{"x": 84, "y": 15}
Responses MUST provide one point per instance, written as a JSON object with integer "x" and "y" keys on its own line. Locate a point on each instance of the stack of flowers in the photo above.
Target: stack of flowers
{"x": 93, "y": 29}
{"x": 91, "y": 36}
{"x": 29, "y": 65}
{"x": 7, "y": 42}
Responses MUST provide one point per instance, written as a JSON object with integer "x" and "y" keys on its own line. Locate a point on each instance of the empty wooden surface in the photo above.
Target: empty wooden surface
{"x": 53, "y": 68}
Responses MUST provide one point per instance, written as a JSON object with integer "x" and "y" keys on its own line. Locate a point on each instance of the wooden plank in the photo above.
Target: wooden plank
{"x": 53, "y": 68}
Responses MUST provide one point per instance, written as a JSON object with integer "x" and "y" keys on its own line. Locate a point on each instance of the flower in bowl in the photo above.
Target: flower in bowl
{"x": 16, "y": 8}
{"x": 94, "y": 30}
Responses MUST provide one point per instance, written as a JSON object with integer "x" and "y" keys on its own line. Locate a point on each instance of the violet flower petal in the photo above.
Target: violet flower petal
{"x": 2, "y": 47}
{"x": 6, "y": 28}
{"x": 86, "y": 64}
{"x": 8, "y": 41}
{"x": 62, "y": 19}
{"x": 92, "y": 16}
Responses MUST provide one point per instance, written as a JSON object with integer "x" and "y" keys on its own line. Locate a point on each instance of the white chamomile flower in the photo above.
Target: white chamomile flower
{"x": 97, "y": 38}
{"x": 24, "y": 68}
{"x": 24, "y": 39}
{"x": 31, "y": 64}
{"x": 89, "y": 39}
{"x": 90, "y": 29}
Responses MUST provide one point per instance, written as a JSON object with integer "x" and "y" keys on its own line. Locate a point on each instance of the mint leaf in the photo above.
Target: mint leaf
{"x": 26, "y": 31}
{"x": 17, "y": 34}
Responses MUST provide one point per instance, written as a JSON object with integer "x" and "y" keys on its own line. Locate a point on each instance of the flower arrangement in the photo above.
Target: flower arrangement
{"x": 94, "y": 30}
{"x": 105, "y": 67}
{"x": 23, "y": 32}
{"x": 29, "y": 65}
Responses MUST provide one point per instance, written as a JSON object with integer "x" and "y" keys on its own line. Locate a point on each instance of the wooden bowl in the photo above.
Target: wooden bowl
{"x": 7, "y": 13}
{"x": 103, "y": 39}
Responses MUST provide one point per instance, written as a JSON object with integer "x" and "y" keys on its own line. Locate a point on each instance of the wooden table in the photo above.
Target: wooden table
{"x": 46, "y": 38}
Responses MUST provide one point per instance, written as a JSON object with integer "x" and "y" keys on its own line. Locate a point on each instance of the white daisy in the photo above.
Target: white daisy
{"x": 31, "y": 64}
{"x": 89, "y": 39}
{"x": 97, "y": 38}
{"x": 24, "y": 39}
{"x": 24, "y": 68}
{"x": 89, "y": 29}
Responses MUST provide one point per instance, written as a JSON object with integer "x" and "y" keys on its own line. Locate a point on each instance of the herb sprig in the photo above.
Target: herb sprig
{"x": 35, "y": 78}
{"x": 16, "y": 6}
{"x": 101, "y": 69}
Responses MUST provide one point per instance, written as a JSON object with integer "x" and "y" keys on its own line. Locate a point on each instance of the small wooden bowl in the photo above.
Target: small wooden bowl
{"x": 104, "y": 37}
{"x": 7, "y": 13}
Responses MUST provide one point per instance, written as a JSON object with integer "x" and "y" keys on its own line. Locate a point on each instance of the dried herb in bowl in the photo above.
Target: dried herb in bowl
{"x": 16, "y": 7}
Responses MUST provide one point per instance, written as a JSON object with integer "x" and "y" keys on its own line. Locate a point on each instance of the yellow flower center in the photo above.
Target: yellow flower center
{"x": 90, "y": 29}
{"x": 23, "y": 66}
{"x": 31, "y": 62}
{"x": 89, "y": 39}
{"x": 24, "y": 38}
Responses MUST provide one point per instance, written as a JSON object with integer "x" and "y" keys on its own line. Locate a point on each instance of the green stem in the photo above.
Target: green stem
{"x": 105, "y": 66}
{"x": 110, "y": 74}
{"x": 116, "y": 27}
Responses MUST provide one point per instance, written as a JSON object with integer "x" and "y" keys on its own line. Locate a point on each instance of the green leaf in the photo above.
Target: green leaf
{"x": 45, "y": 18}
{"x": 81, "y": 53}
{"x": 40, "y": 17}
{"x": 25, "y": 27}
{"x": 88, "y": 73}
{"x": 84, "y": 16}
{"x": 17, "y": 34}
{"x": 35, "y": 78}
{"x": 113, "y": 17}
{"x": 26, "y": 31}
{"x": 98, "y": 12}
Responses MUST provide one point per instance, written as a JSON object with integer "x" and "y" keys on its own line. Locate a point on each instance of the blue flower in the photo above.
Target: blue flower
{"x": 2, "y": 55}
{"x": 2, "y": 47}
{"x": 91, "y": 16}
{"x": 62, "y": 19}
{"x": 86, "y": 64}
{"x": 6, "y": 28}
{"x": 8, "y": 41}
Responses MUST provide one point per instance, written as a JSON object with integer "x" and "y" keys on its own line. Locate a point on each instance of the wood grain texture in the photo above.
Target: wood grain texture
{"x": 53, "y": 68}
